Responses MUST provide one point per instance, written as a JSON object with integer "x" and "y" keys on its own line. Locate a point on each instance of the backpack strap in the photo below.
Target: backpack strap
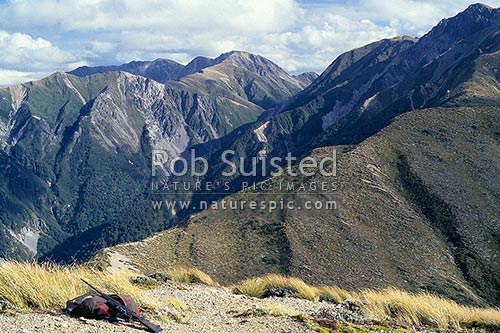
{"x": 104, "y": 309}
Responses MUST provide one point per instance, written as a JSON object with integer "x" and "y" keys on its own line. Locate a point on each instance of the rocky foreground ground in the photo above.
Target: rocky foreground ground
{"x": 211, "y": 309}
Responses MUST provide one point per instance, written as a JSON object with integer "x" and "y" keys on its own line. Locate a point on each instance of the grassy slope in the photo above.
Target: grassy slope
{"x": 417, "y": 209}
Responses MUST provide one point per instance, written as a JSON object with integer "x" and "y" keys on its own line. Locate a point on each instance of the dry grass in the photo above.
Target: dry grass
{"x": 260, "y": 287}
{"x": 31, "y": 286}
{"x": 277, "y": 310}
{"x": 172, "y": 316}
{"x": 48, "y": 286}
{"x": 425, "y": 309}
{"x": 188, "y": 275}
{"x": 254, "y": 287}
{"x": 177, "y": 304}
{"x": 333, "y": 294}
{"x": 389, "y": 304}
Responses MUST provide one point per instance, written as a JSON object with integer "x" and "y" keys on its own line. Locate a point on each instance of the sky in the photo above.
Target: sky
{"x": 39, "y": 37}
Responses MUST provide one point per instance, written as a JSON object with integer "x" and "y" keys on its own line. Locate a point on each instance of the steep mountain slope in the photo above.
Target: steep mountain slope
{"x": 455, "y": 64}
{"x": 416, "y": 213}
{"x": 77, "y": 150}
{"x": 161, "y": 70}
{"x": 417, "y": 207}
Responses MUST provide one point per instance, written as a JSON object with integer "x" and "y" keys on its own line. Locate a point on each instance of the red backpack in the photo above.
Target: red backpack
{"x": 94, "y": 306}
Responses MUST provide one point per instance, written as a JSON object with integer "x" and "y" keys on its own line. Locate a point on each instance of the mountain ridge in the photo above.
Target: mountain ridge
{"x": 398, "y": 219}
{"x": 435, "y": 69}
{"x": 164, "y": 70}
{"x": 160, "y": 70}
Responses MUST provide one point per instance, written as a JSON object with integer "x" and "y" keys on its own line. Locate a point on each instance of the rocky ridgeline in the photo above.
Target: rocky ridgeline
{"x": 216, "y": 309}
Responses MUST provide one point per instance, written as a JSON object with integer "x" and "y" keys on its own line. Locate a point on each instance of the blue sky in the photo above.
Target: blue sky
{"x": 38, "y": 37}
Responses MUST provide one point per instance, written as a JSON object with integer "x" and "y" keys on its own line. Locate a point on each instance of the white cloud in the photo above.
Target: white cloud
{"x": 195, "y": 15}
{"x": 322, "y": 38}
{"x": 21, "y": 52}
{"x": 11, "y": 77}
{"x": 298, "y": 37}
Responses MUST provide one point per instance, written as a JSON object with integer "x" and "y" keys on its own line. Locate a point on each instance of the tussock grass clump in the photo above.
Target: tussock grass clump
{"x": 332, "y": 294}
{"x": 28, "y": 286}
{"x": 48, "y": 286}
{"x": 391, "y": 304}
{"x": 188, "y": 275}
{"x": 254, "y": 287}
{"x": 277, "y": 285}
{"x": 425, "y": 309}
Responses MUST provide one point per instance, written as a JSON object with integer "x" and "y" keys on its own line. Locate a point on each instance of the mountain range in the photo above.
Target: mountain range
{"x": 75, "y": 149}
{"x": 414, "y": 122}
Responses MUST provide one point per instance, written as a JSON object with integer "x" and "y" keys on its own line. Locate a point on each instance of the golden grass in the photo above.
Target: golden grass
{"x": 49, "y": 286}
{"x": 258, "y": 287}
{"x": 389, "y": 304}
{"x": 254, "y": 287}
{"x": 277, "y": 310}
{"x": 424, "y": 309}
{"x": 177, "y": 304}
{"x": 188, "y": 275}
{"x": 332, "y": 294}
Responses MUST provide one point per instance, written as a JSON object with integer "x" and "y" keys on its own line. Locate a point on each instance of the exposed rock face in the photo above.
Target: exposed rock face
{"x": 28, "y": 237}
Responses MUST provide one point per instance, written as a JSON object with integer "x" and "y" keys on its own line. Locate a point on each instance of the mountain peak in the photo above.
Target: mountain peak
{"x": 478, "y": 12}
{"x": 473, "y": 24}
{"x": 478, "y": 7}
{"x": 160, "y": 70}
{"x": 237, "y": 55}
{"x": 242, "y": 58}
{"x": 234, "y": 52}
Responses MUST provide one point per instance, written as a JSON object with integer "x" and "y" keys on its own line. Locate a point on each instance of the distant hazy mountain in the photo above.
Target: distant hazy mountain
{"x": 163, "y": 70}
{"x": 160, "y": 70}
{"x": 307, "y": 77}
{"x": 417, "y": 202}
